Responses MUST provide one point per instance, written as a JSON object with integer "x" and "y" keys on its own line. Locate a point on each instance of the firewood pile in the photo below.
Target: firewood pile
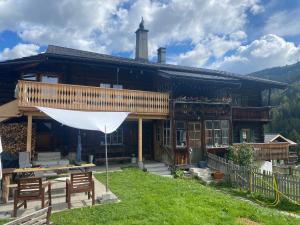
{"x": 14, "y": 137}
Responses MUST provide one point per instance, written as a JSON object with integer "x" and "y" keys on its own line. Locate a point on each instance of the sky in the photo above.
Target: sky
{"x": 240, "y": 36}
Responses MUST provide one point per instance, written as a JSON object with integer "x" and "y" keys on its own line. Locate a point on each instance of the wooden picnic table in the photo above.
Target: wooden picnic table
{"x": 7, "y": 172}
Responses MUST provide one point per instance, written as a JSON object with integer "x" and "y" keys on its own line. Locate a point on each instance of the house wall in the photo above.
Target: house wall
{"x": 139, "y": 79}
{"x": 7, "y": 87}
{"x": 52, "y": 136}
{"x": 255, "y": 127}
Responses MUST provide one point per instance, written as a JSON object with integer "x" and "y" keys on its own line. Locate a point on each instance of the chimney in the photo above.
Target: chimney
{"x": 161, "y": 55}
{"x": 141, "y": 48}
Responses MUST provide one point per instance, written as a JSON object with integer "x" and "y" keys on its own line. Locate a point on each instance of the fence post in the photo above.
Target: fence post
{"x": 290, "y": 171}
{"x": 250, "y": 179}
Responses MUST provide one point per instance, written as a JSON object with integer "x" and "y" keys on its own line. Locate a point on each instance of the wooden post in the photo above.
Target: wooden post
{"x": 140, "y": 141}
{"x": 29, "y": 133}
{"x": 5, "y": 187}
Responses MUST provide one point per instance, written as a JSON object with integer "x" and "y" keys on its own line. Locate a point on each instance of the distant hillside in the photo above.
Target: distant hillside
{"x": 286, "y": 116}
{"x": 288, "y": 74}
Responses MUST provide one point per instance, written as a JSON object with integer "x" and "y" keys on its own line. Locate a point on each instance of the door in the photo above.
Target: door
{"x": 195, "y": 141}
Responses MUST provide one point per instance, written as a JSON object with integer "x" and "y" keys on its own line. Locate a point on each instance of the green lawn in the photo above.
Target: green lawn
{"x": 149, "y": 199}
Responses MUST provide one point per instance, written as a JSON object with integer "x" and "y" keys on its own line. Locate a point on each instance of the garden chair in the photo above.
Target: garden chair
{"x": 79, "y": 183}
{"x": 31, "y": 188}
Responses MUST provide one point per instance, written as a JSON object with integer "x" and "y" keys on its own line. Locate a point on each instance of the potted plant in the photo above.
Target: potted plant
{"x": 218, "y": 175}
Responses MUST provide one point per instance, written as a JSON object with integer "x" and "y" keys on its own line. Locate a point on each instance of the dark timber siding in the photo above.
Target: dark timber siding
{"x": 256, "y": 127}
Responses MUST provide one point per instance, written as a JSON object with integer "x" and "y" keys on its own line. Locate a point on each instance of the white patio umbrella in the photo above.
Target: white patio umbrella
{"x": 106, "y": 122}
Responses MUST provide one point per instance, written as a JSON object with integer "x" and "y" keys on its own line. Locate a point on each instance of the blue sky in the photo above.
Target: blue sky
{"x": 239, "y": 36}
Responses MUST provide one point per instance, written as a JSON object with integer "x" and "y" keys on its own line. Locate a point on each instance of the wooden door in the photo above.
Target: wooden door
{"x": 194, "y": 134}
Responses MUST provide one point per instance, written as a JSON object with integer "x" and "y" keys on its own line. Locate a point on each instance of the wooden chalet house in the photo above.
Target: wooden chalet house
{"x": 178, "y": 113}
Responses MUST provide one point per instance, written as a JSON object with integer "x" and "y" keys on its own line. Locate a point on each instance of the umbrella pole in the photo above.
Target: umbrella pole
{"x": 106, "y": 161}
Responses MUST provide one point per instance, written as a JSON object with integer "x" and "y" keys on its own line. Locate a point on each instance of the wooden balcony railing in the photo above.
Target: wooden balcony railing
{"x": 76, "y": 97}
{"x": 251, "y": 113}
{"x": 270, "y": 151}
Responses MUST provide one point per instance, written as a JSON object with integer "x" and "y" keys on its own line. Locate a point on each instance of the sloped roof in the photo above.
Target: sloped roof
{"x": 273, "y": 137}
{"x": 177, "y": 70}
{"x": 169, "y": 73}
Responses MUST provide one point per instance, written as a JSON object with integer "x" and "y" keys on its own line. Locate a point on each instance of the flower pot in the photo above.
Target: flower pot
{"x": 218, "y": 175}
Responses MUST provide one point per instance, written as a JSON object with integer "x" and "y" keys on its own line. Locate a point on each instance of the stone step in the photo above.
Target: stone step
{"x": 203, "y": 173}
{"x": 152, "y": 165}
{"x": 162, "y": 173}
{"x": 159, "y": 168}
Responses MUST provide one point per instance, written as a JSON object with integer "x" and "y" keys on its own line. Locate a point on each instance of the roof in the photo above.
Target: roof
{"x": 169, "y": 73}
{"x": 167, "y": 69}
{"x": 272, "y": 138}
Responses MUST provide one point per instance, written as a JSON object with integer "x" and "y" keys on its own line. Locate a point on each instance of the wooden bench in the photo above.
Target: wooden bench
{"x": 41, "y": 216}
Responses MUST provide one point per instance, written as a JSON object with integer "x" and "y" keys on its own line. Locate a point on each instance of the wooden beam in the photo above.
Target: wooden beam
{"x": 140, "y": 141}
{"x": 29, "y": 133}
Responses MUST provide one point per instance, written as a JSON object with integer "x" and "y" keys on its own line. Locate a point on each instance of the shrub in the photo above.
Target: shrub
{"x": 178, "y": 173}
{"x": 245, "y": 155}
{"x": 242, "y": 154}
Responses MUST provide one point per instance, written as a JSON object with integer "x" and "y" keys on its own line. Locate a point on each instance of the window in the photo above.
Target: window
{"x": 216, "y": 133}
{"x": 49, "y": 78}
{"x": 167, "y": 133}
{"x": 115, "y": 138}
{"x": 195, "y": 134}
{"x": 104, "y": 85}
{"x": 118, "y": 86}
{"x": 29, "y": 76}
{"x": 246, "y": 135}
{"x": 180, "y": 134}
{"x": 225, "y": 132}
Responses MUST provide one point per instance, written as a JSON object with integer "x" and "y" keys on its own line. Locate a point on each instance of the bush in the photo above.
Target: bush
{"x": 178, "y": 173}
{"x": 242, "y": 154}
{"x": 245, "y": 155}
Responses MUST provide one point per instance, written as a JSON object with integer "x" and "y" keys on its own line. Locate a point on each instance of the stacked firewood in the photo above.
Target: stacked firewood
{"x": 14, "y": 137}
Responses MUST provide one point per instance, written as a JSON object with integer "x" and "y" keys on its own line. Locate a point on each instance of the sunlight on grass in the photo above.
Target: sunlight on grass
{"x": 150, "y": 199}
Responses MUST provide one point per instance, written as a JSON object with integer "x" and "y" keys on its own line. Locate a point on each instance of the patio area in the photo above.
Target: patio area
{"x": 58, "y": 192}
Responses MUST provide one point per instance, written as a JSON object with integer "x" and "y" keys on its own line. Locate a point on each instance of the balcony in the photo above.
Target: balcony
{"x": 270, "y": 151}
{"x": 251, "y": 114}
{"x": 76, "y": 97}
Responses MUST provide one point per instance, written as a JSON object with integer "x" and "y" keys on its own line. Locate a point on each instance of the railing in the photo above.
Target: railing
{"x": 270, "y": 151}
{"x": 251, "y": 113}
{"x": 76, "y": 97}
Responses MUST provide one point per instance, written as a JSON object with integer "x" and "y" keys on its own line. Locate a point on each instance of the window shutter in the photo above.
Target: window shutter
{"x": 252, "y": 135}
{"x": 241, "y": 135}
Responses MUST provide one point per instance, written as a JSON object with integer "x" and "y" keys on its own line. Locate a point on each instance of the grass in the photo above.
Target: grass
{"x": 149, "y": 199}
{"x": 284, "y": 205}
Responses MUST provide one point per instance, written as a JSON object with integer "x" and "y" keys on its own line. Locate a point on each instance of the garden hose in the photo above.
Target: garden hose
{"x": 275, "y": 187}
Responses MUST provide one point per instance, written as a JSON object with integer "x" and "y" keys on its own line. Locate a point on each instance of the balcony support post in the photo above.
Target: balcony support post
{"x": 140, "y": 143}
{"x": 29, "y": 134}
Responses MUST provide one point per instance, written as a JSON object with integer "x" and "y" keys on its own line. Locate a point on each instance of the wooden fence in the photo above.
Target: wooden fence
{"x": 269, "y": 151}
{"x": 255, "y": 181}
{"x": 286, "y": 170}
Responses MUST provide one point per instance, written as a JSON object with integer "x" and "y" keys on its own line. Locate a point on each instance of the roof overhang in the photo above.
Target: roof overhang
{"x": 57, "y": 53}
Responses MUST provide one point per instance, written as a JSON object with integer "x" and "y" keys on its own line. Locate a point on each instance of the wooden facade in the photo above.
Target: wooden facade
{"x": 178, "y": 114}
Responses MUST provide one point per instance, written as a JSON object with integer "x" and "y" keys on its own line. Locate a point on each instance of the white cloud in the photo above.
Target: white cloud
{"x": 108, "y": 26}
{"x": 20, "y": 50}
{"x": 268, "y": 51}
{"x": 213, "y": 46}
{"x": 284, "y": 23}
